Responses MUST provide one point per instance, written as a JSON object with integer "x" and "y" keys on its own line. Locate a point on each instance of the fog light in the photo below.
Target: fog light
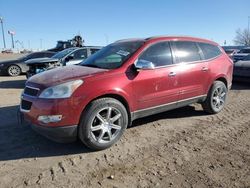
{"x": 50, "y": 119}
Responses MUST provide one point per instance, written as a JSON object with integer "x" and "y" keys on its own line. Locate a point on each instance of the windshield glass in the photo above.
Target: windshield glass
{"x": 63, "y": 53}
{"x": 113, "y": 55}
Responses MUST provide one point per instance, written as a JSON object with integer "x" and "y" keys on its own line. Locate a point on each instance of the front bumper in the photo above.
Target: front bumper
{"x": 58, "y": 134}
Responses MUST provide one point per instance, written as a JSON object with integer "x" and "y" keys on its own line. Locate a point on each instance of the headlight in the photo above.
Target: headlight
{"x": 64, "y": 90}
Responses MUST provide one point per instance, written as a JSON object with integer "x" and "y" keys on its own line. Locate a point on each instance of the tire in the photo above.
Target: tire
{"x": 14, "y": 70}
{"x": 103, "y": 123}
{"x": 216, "y": 98}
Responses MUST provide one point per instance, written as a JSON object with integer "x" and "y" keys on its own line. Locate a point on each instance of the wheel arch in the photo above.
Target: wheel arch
{"x": 118, "y": 97}
{"x": 222, "y": 79}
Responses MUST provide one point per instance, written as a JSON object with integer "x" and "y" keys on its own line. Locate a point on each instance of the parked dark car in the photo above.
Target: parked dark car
{"x": 231, "y": 52}
{"x": 98, "y": 99}
{"x": 18, "y": 66}
{"x": 69, "y": 56}
{"x": 240, "y": 55}
{"x": 242, "y": 70}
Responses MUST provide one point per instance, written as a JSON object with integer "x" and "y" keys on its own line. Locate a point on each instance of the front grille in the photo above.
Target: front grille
{"x": 31, "y": 91}
{"x": 26, "y": 105}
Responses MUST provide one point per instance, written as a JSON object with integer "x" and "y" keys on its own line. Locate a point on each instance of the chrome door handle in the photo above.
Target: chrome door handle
{"x": 171, "y": 74}
{"x": 204, "y": 69}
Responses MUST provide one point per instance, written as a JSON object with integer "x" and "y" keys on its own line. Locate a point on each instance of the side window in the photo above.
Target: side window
{"x": 93, "y": 50}
{"x": 159, "y": 54}
{"x": 80, "y": 54}
{"x": 209, "y": 50}
{"x": 187, "y": 51}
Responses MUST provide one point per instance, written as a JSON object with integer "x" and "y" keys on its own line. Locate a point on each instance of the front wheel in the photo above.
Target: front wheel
{"x": 216, "y": 98}
{"x": 14, "y": 70}
{"x": 103, "y": 123}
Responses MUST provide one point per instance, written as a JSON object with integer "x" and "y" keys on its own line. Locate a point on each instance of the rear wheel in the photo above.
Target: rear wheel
{"x": 216, "y": 98}
{"x": 103, "y": 123}
{"x": 14, "y": 70}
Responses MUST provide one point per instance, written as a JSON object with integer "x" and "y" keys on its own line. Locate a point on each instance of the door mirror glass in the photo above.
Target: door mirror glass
{"x": 144, "y": 65}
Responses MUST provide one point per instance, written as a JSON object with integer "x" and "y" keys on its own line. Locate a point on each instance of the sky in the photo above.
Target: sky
{"x": 40, "y": 23}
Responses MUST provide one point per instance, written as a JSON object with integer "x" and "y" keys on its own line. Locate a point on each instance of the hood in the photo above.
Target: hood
{"x": 63, "y": 74}
{"x": 41, "y": 60}
{"x": 242, "y": 64}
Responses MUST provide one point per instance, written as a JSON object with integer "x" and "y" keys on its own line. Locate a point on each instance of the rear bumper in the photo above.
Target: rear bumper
{"x": 58, "y": 134}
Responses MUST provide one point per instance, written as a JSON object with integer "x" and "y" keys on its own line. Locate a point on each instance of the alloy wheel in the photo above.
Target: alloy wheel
{"x": 219, "y": 98}
{"x": 106, "y": 124}
{"x": 14, "y": 70}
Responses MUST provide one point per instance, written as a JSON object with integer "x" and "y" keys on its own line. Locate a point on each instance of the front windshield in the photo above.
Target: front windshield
{"x": 63, "y": 53}
{"x": 113, "y": 55}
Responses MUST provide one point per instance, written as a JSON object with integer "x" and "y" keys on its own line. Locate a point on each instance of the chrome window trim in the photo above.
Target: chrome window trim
{"x": 173, "y": 55}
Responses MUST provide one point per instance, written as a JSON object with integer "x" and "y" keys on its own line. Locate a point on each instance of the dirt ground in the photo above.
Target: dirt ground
{"x": 10, "y": 56}
{"x": 180, "y": 148}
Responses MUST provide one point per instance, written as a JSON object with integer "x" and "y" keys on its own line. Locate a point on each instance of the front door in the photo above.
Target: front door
{"x": 159, "y": 86}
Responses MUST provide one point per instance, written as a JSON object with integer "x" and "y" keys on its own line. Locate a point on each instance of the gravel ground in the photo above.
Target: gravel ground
{"x": 180, "y": 148}
{"x": 4, "y": 57}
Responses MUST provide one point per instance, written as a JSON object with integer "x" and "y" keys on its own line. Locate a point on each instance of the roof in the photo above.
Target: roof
{"x": 176, "y": 38}
{"x": 166, "y": 37}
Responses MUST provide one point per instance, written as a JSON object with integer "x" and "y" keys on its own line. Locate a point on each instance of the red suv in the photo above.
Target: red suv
{"x": 129, "y": 79}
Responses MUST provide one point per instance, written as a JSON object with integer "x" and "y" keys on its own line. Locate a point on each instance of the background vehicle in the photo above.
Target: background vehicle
{"x": 242, "y": 69}
{"x": 231, "y": 52}
{"x": 241, "y": 54}
{"x": 7, "y": 51}
{"x": 18, "y": 66}
{"x": 70, "y": 56}
{"x": 77, "y": 41}
{"x": 126, "y": 80}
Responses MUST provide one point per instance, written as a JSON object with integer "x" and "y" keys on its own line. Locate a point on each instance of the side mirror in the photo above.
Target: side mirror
{"x": 70, "y": 57}
{"x": 144, "y": 65}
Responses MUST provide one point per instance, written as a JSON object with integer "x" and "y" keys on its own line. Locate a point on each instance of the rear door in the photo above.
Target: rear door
{"x": 193, "y": 71}
{"x": 160, "y": 86}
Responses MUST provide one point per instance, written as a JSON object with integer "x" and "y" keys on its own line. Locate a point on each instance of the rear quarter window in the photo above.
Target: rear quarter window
{"x": 209, "y": 51}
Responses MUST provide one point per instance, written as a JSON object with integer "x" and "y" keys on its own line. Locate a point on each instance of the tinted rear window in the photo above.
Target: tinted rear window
{"x": 209, "y": 50}
{"x": 187, "y": 51}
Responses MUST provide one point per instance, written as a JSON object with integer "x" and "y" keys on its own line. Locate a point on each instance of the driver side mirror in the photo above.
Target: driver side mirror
{"x": 70, "y": 57}
{"x": 144, "y": 65}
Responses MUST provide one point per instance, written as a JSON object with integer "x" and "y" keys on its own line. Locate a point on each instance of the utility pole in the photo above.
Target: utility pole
{"x": 248, "y": 31}
{"x": 1, "y": 21}
{"x": 248, "y": 24}
{"x": 12, "y": 33}
{"x": 41, "y": 44}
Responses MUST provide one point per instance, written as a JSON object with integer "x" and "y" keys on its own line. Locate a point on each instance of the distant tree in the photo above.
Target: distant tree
{"x": 242, "y": 37}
